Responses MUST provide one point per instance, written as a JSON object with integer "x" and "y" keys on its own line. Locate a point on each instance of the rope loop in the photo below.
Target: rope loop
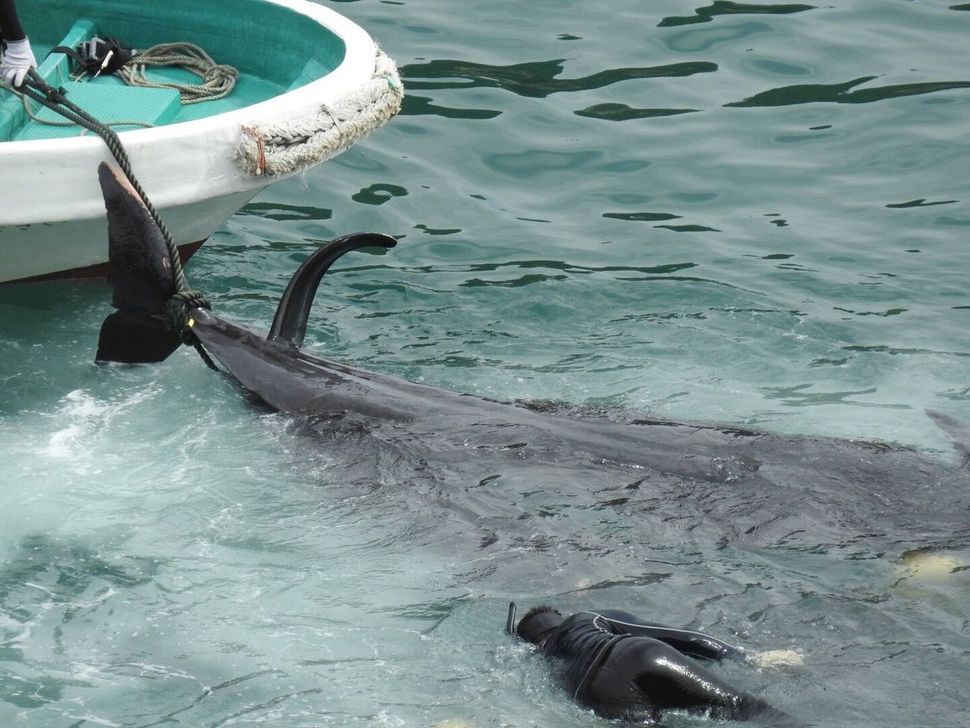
{"x": 217, "y": 79}
{"x": 184, "y": 300}
{"x": 179, "y": 319}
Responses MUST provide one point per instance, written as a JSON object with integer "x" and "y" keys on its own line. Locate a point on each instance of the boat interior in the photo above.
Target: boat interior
{"x": 274, "y": 48}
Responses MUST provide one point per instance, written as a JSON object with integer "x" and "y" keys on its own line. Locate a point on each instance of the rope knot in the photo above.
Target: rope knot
{"x": 178, "y": 308}
{"x": 254, "y": 134}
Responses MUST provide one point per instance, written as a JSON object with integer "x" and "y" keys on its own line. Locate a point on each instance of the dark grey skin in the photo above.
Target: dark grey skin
{"x": 483, "y": 458}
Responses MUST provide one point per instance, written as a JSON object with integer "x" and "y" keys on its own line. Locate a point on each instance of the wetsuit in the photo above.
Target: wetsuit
{"x": 10, "y": 27}
{"x": 623, "y": 667}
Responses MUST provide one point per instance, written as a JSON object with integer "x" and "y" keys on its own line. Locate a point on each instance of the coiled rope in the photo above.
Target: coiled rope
{"x": 218, "y": 80}
{"x": 56, "y": 100}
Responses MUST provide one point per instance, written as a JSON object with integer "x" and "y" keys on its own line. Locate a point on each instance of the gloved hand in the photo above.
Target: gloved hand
{"x": 17, "y": 60}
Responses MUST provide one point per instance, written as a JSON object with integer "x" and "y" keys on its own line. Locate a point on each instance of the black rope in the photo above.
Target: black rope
{"x": 55, "y": 99}
{"x": 205, "y": 356}
{"x": 178, "y": 307}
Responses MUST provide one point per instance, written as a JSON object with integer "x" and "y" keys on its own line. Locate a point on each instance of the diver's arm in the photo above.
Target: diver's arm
{"x": 687, "y": 641}
{"x": 697, "y": 644}
{"x": 10, "y": 27}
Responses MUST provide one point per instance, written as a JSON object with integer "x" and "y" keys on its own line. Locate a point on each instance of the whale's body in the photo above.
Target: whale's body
{"x": 486, "y": 459}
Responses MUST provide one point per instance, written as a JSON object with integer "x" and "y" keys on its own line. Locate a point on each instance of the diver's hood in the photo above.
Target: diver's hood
{"x": 535, "y": 626}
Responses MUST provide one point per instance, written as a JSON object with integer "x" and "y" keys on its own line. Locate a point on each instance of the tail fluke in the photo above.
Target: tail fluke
{"x": 289, "y": 324}
{"x": 141, "y": 278}
{"x": 135, "y": 338}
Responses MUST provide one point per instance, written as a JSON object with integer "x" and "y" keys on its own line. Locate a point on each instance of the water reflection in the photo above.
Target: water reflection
{"x": 378, "y": 194}
{"x": 801, "y": 395}
{"x": 436, "y": 231}
{"x": 622, "y": 112}
{"x": 535, "y": 162}
{"x": 698, "y": 40}
{"x": 921, "y": 202}
{"x": 723, "y": 7}
{"x": 657, "y": 217}
{"x": 281, "y": 211}
{"x": 842, "y": 93}
{"x": 536, "y": 79}
{"x": 422, "y": 105}
{"x": 580, "y": 269}
{"x": 641, "y": 216}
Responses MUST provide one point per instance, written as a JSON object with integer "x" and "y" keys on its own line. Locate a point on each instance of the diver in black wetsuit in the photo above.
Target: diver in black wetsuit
{"x": 623, "y": 667}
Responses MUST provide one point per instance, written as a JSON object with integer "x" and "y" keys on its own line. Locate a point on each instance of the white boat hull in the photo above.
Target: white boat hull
{"x": 51, "y": 211}
{"x": 78, "y": 248}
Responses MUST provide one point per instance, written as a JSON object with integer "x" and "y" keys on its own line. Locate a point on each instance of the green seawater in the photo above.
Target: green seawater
{"x": 744, "y": 214}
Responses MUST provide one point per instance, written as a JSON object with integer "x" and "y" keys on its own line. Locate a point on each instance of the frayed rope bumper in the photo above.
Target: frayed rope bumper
{"x": 277, "y": 149}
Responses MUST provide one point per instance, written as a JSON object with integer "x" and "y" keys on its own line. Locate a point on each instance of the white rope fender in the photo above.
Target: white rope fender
{"x": 276, "y": 149}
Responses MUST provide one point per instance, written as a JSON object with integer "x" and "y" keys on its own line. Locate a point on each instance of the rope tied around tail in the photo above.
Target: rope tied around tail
{"x": 179, "y": 320}
{"x": 177, "y": 310}
{"x": 184, "y": 299}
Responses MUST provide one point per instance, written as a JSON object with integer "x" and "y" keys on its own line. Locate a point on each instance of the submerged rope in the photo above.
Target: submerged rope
{"x": 218, "y": 80}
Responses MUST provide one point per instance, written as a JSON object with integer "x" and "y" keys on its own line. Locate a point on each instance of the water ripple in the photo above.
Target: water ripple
{"x": 622, "y": 112}
{"x": 707, "y": 39}
{"x": 842, "y": 93}
{"x": 724, "y": 7}
{"x": 536, "y": 79}
{"x": 170, "y": 555}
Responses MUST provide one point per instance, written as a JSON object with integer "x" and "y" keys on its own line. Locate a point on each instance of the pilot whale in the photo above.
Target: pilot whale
{"x": 487, "y": 458}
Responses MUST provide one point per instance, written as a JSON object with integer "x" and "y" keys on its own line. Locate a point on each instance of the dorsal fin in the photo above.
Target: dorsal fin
{"x": 959, "y": 434}
{"x": 289, "y": 324}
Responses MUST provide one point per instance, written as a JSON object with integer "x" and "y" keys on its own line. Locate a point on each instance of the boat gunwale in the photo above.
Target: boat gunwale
{"x": 359, "y": 53}
{"x": 222, "y": 130}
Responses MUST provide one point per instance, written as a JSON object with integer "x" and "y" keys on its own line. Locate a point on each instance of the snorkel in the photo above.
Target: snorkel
{"x": 510, "y": 620}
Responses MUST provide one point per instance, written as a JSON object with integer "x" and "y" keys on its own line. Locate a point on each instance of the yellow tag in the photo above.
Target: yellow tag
{"x": 191, "y": 323}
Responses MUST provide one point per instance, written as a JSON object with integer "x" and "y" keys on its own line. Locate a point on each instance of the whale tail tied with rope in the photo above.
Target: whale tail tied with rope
{"x": 154, "y": 315}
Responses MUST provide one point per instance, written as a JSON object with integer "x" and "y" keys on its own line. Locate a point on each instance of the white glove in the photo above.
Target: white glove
{"x": 17, "y": 60}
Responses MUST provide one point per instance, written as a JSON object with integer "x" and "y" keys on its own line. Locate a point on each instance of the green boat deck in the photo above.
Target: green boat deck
{"x": 274, "y": 49}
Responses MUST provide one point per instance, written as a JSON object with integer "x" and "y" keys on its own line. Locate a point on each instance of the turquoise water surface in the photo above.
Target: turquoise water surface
{"x": 751, "y": 215}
